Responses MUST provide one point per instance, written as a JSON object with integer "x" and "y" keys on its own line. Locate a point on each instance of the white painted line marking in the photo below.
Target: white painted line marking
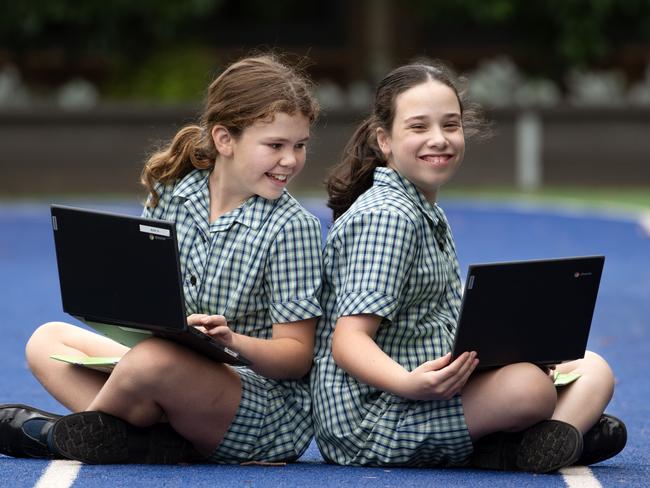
{"x": 59, "y": 474}
{"x": 644, "y": 222}
{"x": 580, "y": 477}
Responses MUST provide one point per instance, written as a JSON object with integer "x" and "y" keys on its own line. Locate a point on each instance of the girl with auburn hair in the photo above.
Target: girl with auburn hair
{"x": 250, "y": 258}
{"x": 385, "y": 389}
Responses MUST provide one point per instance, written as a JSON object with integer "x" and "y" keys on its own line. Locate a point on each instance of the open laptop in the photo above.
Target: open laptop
{"x": 528, "y": 311}
{"x": 121, "y": 276}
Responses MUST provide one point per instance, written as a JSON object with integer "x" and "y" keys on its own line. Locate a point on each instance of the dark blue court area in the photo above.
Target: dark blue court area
{"x": 483, "y": 232}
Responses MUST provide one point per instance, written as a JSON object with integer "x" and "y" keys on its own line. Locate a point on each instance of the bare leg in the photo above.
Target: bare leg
{"x": 74, "y": 387}
{"x": 582, "y": 402}
{"x": 158, "y": 379}
{"x": 510, "y": 398}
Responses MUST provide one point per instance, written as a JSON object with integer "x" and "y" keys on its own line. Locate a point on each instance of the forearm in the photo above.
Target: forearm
{"x": 361, "y": 357}
{"x": 354, "y": 349}
{"x": 279, "y": 357}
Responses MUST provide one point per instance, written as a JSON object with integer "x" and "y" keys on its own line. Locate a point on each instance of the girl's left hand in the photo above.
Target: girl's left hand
{"x": 213, "y": 325}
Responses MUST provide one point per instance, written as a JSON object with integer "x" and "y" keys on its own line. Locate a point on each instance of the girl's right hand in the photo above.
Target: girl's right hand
{"x": 440, "y": 379}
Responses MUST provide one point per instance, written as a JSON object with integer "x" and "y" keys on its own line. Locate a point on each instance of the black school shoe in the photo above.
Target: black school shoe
{"x": 18, "y": 441}
{"x": 542, "y": 448}
{"x": 604, "y": 440}
{"x": 100, "y": 438}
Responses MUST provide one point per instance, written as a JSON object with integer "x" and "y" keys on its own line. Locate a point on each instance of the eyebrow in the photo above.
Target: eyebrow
{"x": 284, "y": 139}
{"x": 417, "y": 118}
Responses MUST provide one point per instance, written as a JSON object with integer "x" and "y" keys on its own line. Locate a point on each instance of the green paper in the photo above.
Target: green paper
{"x": 126, "y": 336}
{"x": 563, "y": 379}
{"x": 98, "y": 363}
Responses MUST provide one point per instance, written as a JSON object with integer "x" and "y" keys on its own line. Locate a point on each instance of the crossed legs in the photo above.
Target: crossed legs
{"x": 155, "y": 381}
{"x": 517, "y": 396}
{"x": 73, "y": 387}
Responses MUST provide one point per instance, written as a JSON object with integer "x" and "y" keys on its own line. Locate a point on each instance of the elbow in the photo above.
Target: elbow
{"x": 301, "y": 366}
{"x": 304, "y": 368}
{"x": 337, "y": 352}
{"x": 336, "y": 355}
{"x": 296, "y": 369}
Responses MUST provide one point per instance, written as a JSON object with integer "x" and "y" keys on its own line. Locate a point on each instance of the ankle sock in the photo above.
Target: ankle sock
{"x": 48, "y": 433}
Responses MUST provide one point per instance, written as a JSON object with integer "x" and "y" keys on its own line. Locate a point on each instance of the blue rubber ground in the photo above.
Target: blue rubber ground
{"x": 30, "y": 296}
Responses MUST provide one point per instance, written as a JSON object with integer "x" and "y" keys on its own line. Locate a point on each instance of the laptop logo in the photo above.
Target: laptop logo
{"x": 154, "y": 231}
{"x": 579, "y": 274}
{"x": 470, "y": 283}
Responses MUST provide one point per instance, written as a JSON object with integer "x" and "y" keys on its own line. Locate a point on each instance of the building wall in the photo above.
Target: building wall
{"x": 48, "y": 151}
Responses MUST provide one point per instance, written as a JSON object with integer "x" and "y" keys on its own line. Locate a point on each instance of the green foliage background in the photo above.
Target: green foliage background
{"x": 164, "y": 49}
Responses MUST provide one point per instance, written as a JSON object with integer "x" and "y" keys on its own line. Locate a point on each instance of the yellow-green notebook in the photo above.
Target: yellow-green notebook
{"x": 103, "y": 364}
{"x": 563, "y": 379}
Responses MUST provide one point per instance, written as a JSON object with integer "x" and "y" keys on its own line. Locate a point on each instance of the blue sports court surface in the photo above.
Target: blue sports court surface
{"x": 484, "y": 232}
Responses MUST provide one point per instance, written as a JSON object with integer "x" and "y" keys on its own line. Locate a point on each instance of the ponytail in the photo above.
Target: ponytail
{"x": 188, "y": 150}
{"x": 354, "y": 174}
{"x": 251, "y": 89}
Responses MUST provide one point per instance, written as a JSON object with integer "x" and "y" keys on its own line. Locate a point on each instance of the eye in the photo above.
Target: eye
{"x": 300, "y": 145}
{"x": 275, "y": 145}
{"x": 418, "y": 127}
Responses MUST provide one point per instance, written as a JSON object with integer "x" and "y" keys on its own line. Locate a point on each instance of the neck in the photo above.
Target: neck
{"x": 222, "y": 199}
{"x": 430, "y": 195}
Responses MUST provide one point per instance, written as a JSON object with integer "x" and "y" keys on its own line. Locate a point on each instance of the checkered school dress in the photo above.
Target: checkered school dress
{"x": 391, "y": 254}
{"x": 257, "y": 265}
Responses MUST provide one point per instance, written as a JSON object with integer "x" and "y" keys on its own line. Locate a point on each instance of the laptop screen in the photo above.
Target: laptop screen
{"x": 117, "y": 269}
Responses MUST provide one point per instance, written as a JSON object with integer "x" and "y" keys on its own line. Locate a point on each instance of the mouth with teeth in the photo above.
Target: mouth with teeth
{"x": 278, "y": 178}
{"x": 437, "y": 160}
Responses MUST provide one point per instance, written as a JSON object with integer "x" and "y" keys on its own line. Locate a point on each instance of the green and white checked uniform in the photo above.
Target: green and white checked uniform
{"x": 257, "y": 265}
{"x": 391, "y": 254}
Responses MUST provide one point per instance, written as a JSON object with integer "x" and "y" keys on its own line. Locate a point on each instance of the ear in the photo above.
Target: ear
{"x": 383, "y": 141}
{"x": 223, "y": 140}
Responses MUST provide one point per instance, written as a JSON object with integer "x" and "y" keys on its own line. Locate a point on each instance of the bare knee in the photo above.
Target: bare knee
{"x": 157, "y": 377}
{"x": 147, "y": 364}
{"x": 530, "y": 395}
{"x": 43, "y": 340}
{"x": 156, "y": 367}
{"x": 597, "y": 372}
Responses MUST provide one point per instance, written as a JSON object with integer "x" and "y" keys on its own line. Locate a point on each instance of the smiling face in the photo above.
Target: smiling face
{"x": 426, "y": 143}
{"x": 263, "y": 159}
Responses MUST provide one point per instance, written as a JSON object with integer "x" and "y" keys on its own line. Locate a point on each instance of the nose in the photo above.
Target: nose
{"x": 437, "y": 138}
{"x": 289, "y": 159}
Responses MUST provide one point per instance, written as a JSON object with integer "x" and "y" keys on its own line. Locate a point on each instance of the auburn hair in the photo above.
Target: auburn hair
{"x": 248, "y": 90}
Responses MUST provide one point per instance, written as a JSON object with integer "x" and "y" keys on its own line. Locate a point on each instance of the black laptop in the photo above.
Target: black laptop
{"x": 121, "y": 276}
{"x": 528, "y": 311}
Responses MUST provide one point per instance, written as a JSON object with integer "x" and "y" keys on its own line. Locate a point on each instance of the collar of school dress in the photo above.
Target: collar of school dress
{"x": 194, "y": 189}
{"x": 389, "y": 177}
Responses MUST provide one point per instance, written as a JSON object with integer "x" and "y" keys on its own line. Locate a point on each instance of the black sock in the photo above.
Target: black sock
{"x": 49, "y": 439}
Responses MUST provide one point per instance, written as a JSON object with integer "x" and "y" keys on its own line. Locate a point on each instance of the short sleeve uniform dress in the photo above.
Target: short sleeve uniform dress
{"x": 391, "y": 254}
{"x": 257, "y": 265}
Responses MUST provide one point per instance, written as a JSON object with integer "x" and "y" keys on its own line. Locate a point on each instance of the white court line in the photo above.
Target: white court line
{"x": 59, "y": 474}
{"x": 580, "y": 477}
{"x": 644, "y": 222}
